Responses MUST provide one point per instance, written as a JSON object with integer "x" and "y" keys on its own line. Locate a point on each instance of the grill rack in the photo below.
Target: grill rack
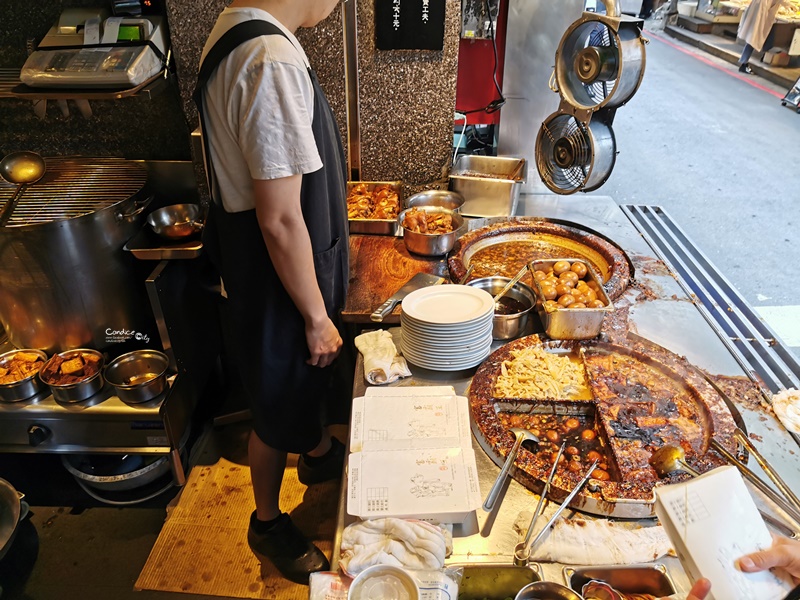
{"x": 73, "y": 187}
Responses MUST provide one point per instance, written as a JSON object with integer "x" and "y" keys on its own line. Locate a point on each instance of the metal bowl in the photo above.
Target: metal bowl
{"x": 510, "y": 326}
{"x": 441, "y": 198}
{"x": 176, "y": 222}
{"x": 428, "y": 244}
{"x": 114, "y": 474}
{"x": 24, "y": 388}
{"x": 546, "y": 590}
{"x": 76, "y": 392}
{"x": 138, "y": 376}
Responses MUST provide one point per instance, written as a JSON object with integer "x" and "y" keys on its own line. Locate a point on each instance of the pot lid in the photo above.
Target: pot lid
{"x": 73, "y": 187}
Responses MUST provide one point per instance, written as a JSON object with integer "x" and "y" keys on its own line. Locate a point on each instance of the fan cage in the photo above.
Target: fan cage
{"x": 564, "y": 154}
{"x": 587, "y": 96}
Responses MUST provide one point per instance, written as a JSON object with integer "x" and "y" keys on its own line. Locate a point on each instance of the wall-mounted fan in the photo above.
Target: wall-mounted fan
{"x": 574, "y": 156}
{"x": 600, "y": 62}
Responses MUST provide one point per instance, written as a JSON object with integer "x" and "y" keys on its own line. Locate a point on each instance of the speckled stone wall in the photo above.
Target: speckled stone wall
{"x": 406, "y": 111}
{"x": 135, "y": 128}
{"x": 407, "y": 103}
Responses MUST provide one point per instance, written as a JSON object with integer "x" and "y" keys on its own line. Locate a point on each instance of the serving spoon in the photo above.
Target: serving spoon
{"x": 22, "y": 168}
{"x": 670, "y": 459}
{"x": 521, "y": 435}
{"x": 509, "y": 285}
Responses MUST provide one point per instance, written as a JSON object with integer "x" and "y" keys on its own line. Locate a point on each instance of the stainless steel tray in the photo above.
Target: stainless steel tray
{"x": 631, "y": 579}
{"x": 145, "y": 245}
{"x": 377, "y": 226}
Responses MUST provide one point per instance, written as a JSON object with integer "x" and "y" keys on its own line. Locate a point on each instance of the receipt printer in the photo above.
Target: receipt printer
{"x": 86, "y": 48}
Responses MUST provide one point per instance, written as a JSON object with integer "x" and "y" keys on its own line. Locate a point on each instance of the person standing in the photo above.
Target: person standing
{"x": 755, "y": 28}
{"x": 277, "y": 233}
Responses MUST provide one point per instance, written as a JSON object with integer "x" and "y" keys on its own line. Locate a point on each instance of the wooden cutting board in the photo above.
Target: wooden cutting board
{"x": 379, "y": 266}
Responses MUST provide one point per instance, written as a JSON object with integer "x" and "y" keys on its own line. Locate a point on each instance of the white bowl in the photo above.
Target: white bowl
{"x": 383, "y": 582}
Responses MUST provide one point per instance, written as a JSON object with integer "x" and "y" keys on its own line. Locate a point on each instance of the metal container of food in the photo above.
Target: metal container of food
{"x": 376, "y": 226}
{"x": 176, "y": 222}
{"x": 563, "y": 323}
{"x": 547, "y": 590}
{"x": 634, "y": 579}
{"x": 78, "y": 391}
{"x": 490, "y": 184}
{"x": 21, "y": 389}
{"x": 442, "y": 198}
{"x": 520, "y": 299}
{"x": 430, "y": 244}
{"x": 494, "y": 581}
{"x": 138, "y": 376}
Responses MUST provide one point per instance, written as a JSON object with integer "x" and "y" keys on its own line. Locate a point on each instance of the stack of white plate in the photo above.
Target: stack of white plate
{"x": 447, "y": 327}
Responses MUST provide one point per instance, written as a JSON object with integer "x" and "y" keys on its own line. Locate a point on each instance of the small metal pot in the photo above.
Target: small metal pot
{"x": 76, "y": 392}
{"x": 508, "y": 327}
{"x": 11, "y": 512}
{"x": 138, "y": 376}
{"x": 133, "y": 471}
{"x": 428, "y": 244}
{"x": 176, "y": 222}
{"x": 24, "y": 388}
{"x": 546, "y": 590}
{"x": 449, "y": 199}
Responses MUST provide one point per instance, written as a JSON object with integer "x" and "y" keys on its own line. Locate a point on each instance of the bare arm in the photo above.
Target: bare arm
{"x": 281, "y": 221}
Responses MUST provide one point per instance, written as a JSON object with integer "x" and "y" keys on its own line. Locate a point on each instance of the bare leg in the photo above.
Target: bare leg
{"x": 266, "y": 471}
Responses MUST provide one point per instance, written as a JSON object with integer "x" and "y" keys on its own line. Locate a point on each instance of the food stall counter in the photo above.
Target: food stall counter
{"x": 658, "y": 310}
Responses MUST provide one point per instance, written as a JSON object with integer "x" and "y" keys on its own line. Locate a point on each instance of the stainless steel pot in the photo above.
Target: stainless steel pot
{"x": 10, "y": 513}
{"x": 138, "y": 376}
{"x": 510, "y": 326}
{"x": 65, "y": 281}
{"x": 76, "y": 392}
{"x": 24, "y": 388}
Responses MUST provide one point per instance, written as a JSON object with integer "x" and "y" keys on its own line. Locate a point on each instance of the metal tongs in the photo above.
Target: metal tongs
{"x": 522, "y": 551}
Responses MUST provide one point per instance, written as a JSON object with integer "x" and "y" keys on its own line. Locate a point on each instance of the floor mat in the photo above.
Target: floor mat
{"x": 202, "y": 548}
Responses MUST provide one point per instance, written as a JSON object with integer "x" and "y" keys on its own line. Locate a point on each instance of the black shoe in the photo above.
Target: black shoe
{"x": 287, "y": 548}
{"x": 745, "y": 68}
{"x": 329, "y": 468}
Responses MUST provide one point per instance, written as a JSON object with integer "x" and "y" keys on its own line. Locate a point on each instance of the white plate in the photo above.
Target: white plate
{"x": 448, "y": 304}
{"x": 440, "y": 337}
{"x": 442, "y": 365}
{"x": 460, "y": 326}
{"x": 450, "y": 354}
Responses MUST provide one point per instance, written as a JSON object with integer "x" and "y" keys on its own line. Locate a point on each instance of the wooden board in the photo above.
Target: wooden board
{"x": 379, "y": 266}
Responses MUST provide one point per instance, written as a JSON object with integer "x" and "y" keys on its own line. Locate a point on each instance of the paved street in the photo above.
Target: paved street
{"x": 718, "y": 152}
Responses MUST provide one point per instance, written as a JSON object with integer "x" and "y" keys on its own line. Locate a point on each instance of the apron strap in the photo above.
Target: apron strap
{"x": 230, "y": 40}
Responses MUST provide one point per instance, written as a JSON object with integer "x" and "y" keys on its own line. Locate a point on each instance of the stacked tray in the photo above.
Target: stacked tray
{"x": 447, "y": 327}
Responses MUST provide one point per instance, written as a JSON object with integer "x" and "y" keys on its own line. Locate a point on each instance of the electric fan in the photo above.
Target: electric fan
{"x": 574, "y": 156}
{"x": 600, "y": 62}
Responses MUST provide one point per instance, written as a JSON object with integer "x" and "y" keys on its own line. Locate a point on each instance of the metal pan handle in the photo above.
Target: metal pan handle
{"x": 138, "y": 208}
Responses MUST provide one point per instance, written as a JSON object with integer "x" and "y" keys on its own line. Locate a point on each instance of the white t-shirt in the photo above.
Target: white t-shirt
{"x": 258, "y": 108}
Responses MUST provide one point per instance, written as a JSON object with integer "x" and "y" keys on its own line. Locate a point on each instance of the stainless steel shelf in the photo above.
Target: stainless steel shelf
{"x": 11, "y": 87}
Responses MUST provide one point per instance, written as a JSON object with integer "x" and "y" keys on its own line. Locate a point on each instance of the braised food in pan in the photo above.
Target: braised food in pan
{"x": 381, "y": 202}
{"x": 19, "y": 366}
{"x": 616, "y": 404}
{"x": 66, "y": 371}
{"x": 431, "y": 223}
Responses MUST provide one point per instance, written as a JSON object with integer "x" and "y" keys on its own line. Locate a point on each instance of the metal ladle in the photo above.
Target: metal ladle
{"x": 509, "y": 285}
{"x": 670, "y": 459}
{"x": 22, "y": 168}
{"x": 521, "y": 436}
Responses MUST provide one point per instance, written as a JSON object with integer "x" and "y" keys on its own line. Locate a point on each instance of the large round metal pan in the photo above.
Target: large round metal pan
{"x": 542, "y": 239}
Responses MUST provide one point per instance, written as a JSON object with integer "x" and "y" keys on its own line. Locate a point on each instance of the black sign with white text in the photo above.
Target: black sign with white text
{"x": 409, "y": 24}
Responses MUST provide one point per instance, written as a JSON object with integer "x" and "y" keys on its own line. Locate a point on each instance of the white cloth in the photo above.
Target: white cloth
{"x": 757, "y": 21}
{"x": 258, "y": 108}
{"x": 398, "y": 542}
{"x": 382, "y": 363}
{"x": 601, "y": 542}
{"x": 786, "y": 405}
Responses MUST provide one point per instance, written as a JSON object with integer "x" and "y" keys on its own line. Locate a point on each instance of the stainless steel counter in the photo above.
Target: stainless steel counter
{"x": 671, "y": 320}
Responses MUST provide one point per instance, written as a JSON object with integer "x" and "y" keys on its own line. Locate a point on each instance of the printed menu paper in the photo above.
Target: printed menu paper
{"x": 712, "y": 521}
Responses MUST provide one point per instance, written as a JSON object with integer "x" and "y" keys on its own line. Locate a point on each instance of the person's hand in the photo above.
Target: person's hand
{"x": 699, "y": 590}
{"x": 324, "y": 343}
{"x": 784, "y": 554}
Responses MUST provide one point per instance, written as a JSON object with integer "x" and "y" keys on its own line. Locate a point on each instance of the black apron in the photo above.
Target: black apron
{"x": 265, "y": 330}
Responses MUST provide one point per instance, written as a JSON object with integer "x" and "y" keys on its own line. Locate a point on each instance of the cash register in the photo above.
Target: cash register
{"x": 87, "y": 48}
